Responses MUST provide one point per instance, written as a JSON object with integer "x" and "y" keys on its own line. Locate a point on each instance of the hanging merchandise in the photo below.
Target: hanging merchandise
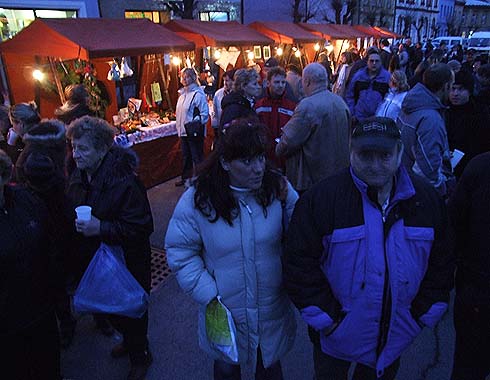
{"x": 156, "y": 93}
{"x": 125, "y": 69}
{"x": 114, "y": 73}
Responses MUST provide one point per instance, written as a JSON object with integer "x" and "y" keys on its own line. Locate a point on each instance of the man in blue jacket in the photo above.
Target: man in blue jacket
{"x": 366, "y": 261}
{"x": 423, "y": 128}
{"x": 368, "y": 87}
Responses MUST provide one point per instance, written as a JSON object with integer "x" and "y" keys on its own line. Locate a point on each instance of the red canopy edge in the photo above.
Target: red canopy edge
{"x": 375, "y": 32}
{"x": 285, "y": 32}
{"x": 218, "y": 34}
{"x": 335, "y": 31}
{"x": 87, "y": 38}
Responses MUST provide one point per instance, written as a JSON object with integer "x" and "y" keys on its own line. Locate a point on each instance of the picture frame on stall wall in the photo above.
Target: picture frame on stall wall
{"x": 267, "y": 52}
{"x": 257, "y": 52}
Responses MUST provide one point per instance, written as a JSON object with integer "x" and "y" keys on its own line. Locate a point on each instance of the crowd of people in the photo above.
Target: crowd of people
{"x": 360, "y": 198}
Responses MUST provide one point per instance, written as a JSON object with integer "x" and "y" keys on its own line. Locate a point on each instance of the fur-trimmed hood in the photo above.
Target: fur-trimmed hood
{"x": 47, "y": 133}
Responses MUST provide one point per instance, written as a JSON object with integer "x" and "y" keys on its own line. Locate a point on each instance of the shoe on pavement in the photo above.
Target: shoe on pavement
{"x": 138, "y": 370}
{"x": 119, "y": 350}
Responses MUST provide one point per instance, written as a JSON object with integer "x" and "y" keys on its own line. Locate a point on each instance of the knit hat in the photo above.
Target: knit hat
{"x": 271, "y": 62}
{"x": 40, "y": 172}
{"x": 465, "y": 79}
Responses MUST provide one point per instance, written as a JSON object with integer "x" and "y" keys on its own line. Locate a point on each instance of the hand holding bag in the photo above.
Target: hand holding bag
{"x": 194, "y": 128}
{"x": 108, "y": 287}
{"x": 220, "y": 329}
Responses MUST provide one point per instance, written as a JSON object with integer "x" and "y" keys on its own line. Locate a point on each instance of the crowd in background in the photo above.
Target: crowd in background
{"x": 372, "y": 139}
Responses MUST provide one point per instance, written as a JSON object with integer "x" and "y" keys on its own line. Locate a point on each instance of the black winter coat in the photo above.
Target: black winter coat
{"x": 468, "y": 129}
{"x": 235, "y": 106}
{"x": 26, "y": 258}
{"x": 119, "y": 200}
{"x": 469, "y": 215}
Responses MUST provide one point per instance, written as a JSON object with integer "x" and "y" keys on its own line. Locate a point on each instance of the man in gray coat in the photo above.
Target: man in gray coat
{"x": 315, "y": 141}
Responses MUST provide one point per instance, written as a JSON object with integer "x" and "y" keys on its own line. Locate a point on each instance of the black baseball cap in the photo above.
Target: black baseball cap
{"x": 375, "y": 133}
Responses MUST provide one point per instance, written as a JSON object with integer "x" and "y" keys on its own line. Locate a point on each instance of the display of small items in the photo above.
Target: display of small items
{"x": 130, "y": 119}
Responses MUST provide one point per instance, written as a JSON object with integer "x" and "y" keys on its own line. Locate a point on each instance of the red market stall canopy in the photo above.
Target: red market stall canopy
{"x": 285, "y": 32}
{"x": 87, "y": 38}
{"x": 217, "y": 34}
{"x": 335, "y": 31}
{"x": 386, "y": 31}
{"x": 375, "y": 31}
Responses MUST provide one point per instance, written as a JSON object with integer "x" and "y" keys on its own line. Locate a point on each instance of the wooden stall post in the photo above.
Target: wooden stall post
{"x": 164, "y": 81}
{"x": 57, "y": 80}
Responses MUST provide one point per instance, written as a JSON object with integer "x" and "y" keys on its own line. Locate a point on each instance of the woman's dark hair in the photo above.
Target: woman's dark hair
{"x": 244, "y": 138}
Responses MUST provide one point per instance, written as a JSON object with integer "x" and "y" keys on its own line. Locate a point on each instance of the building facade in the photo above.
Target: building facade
{"x": 16, "y": 15}
{"x": 475, "y": 17}
{"x": 416, "y": 19}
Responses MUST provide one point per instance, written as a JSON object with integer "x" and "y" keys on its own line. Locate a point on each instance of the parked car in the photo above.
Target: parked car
{"x": 450, "y": 41}
{"x": 480, "y": 41}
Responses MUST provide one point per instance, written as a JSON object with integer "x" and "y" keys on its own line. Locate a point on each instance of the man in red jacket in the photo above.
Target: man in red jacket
{"x": 275, "y": 109}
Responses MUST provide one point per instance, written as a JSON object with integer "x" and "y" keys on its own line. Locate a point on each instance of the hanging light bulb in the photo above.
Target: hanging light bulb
{"x": 217, "y": 54}
{"x": 250, "y": 55}
{"x": 38, "y": 75}
{"x": 297, "y": 54}
{"x": 279, "y": 51}
{"x": 316, "y": 47}
{"x": 176, "y": 60}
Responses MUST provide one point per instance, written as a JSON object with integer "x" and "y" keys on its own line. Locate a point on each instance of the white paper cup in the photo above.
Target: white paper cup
{"x": 84, "y": 212}
{"x": 11, "y": 137}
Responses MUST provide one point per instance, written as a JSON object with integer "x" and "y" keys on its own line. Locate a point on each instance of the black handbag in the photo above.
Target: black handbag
{"x": 194, "y": 128}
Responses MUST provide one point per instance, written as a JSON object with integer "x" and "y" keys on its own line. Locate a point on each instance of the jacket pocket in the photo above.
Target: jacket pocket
{"x": 413, "y": 260}
{"x": 344, "y": 263}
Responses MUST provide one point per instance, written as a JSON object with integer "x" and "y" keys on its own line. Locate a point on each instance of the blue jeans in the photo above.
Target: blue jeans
{"x": 192, "y": 154}
{"x": 330, "y": 368}
{"x": 226, "y": 371}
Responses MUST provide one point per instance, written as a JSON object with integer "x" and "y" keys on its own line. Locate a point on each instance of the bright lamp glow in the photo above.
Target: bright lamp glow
{"x": 297, "y": 54}
{"x": 38, "y": 75}
{"x": 279, "y": 51}
{"x": 316, "y": 47}
{"x": 217, "y": 54}
{"x": 329, "y": 49}
{"x": 176, "y": 61}
{"x": 250, "y": 55}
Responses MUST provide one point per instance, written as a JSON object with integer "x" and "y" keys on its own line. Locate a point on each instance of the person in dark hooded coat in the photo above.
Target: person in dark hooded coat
{"x": 105, "y": 179}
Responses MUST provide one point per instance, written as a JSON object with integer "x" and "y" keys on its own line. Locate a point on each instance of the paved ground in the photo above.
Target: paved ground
{"x": 173, "y": 333}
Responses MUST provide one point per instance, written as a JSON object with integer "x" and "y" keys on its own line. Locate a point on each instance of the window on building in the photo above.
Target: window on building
{"x": 14, "y": 20}
{"x": 483, "y": 19}
{"x": 150, "y": 15}
{"x": 214, "y": 16}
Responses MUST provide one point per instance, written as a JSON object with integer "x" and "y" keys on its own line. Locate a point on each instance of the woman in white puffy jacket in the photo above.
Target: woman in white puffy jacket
{"x": 224, "y": 239}
{"x": 392, "y": 103}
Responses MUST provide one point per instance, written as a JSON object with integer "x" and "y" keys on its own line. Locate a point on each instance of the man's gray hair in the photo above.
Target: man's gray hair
{"x": 316, "y": 73}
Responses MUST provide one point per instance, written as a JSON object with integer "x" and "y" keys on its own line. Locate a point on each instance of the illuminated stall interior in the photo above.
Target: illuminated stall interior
{"x": 293, "y": 44}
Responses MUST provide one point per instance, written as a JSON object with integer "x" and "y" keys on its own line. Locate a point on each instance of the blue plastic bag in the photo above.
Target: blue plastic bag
{"x": 108, "y": 287}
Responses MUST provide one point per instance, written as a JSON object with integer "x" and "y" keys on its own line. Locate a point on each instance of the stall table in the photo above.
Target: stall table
{"x": 158, "y": 149}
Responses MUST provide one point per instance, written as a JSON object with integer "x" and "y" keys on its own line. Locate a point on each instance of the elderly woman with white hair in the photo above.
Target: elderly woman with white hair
{"x": 192, "y": 105}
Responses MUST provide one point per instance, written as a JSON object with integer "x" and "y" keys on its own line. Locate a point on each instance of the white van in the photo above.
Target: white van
{"x": 480, "y": 41}
{"x": 450, "y": 41}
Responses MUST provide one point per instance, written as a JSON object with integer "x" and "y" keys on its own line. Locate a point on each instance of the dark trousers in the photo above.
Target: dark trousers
{"x": 192, "y": 154}
{"x": 135, "y": 330}
{"x": 226, "y": 371}
{"x": 330, "y": 368}
{"x": 472, "y": 324}
{"x": 33, "y": 353}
